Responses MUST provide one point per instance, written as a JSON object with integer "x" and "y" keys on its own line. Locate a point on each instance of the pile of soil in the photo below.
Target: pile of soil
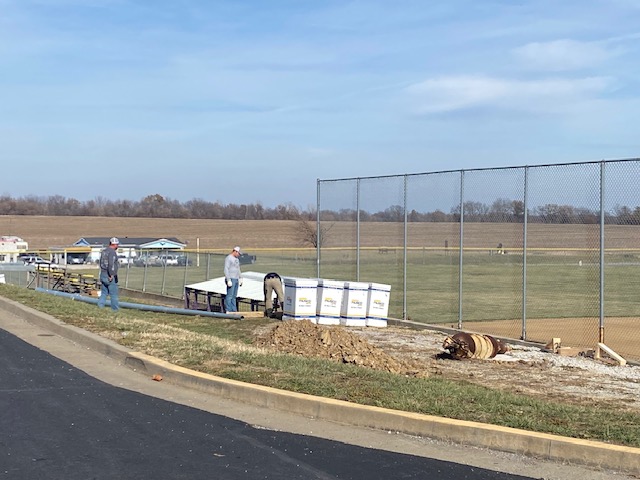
{"x": 334, "y": 343}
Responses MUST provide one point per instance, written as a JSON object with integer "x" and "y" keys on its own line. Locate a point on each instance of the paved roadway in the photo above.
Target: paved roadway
{"x": 59, "y": 422}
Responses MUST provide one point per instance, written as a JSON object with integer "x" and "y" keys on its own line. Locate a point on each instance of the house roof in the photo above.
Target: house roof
{"x": 137, "y": 242}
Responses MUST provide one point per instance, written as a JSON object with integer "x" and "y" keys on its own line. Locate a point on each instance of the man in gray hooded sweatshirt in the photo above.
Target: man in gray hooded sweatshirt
{"x": 109, "y": 275}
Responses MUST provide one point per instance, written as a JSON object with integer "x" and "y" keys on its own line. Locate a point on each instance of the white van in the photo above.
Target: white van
{"x": 169, "y": 260}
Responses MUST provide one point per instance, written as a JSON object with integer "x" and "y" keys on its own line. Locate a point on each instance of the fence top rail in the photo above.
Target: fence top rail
{"x": 440, "y": 172}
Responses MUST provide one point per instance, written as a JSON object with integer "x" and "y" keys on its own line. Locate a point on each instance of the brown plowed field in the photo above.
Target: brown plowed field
{"x": 43, "y": 232}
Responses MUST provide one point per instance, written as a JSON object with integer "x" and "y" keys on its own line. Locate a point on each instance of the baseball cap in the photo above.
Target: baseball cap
{"x": 237, "y": 249}
{"x": 114, "y": 241}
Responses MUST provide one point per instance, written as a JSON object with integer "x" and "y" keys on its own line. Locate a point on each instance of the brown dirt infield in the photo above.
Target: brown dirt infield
{"x": 572, "y": 331}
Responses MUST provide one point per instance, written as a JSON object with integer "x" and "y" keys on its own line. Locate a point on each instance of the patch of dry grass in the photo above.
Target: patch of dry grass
{"x": 169, "y": 337}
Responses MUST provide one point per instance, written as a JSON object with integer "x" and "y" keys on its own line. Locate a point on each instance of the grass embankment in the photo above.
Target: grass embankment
{"x": 223, "y": 347}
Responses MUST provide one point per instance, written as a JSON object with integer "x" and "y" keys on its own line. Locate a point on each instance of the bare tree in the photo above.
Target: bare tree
{"x": 308, "y": 232}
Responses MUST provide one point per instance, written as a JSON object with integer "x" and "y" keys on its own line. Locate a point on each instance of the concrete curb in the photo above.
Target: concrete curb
{"x": 584, "y": 452}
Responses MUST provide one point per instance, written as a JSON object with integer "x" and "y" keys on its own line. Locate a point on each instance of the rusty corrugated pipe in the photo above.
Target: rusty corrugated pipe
{"x": 473, "y": 345}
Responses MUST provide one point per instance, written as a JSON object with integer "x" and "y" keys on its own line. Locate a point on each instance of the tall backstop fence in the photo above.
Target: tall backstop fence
{"x": 531, "y": 252}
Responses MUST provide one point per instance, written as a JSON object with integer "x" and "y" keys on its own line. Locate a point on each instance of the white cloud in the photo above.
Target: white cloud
{"x": 442, "y": 94}
{"x": 562, "y": 55}
{"x": 319, "y": 152}
{"x": 455, "y": 93}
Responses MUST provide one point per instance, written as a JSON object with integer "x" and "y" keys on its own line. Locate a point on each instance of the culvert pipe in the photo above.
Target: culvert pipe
{"x": 473, "y": 345}
{"x": 143, "y": 306}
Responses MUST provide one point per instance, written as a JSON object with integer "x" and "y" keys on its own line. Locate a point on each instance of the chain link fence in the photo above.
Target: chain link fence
{"x": 161, "y": 272}
{"x": 151, "y": 273}
{"x": 531, "y": 252}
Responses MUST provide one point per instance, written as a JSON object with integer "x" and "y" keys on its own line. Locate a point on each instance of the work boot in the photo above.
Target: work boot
{"x": 268, "y": 312}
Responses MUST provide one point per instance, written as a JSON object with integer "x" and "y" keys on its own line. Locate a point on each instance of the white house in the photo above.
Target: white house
{"x": 130, "y": 247}
{"x": 10, "y": 247}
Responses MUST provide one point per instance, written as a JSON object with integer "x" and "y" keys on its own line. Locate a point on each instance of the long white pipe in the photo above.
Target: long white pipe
{"x": 143, "y": 306}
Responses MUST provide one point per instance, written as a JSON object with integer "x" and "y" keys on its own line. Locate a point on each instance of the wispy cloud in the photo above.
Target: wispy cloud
{"x": 563, "y": 55}
{"x": 455, "y": 93}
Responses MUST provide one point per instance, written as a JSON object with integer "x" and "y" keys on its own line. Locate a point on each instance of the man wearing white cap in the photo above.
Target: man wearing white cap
{"x": 109, "y": 275}
{"x": 233, "y": 279}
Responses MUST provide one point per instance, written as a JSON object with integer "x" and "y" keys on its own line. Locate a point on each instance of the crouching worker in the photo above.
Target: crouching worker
{"x": 272, "y": 283}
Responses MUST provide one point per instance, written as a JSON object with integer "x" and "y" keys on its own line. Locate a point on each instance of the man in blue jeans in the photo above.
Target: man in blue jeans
{"x": 109, "y": 275}
{"x": 233, "y": 279}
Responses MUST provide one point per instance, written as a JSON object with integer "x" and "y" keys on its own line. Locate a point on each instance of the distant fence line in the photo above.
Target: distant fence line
{"x": 509, "y": 288}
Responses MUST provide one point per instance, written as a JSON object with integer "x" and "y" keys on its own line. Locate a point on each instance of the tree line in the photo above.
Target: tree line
{"x": 151, "y": 206}
{"x": 157, "y": 206}
{"x": 500, "y": 211}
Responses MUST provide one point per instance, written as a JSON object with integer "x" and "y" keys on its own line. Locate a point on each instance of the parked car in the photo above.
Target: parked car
{"x": 38, "y": 262}
{"x": 147, "y": 260}
{"x": 246, "y": 259}
{"x": 169, "y": 260}
{"x": 123, "y": 260}
{"x": 184, "y": 260}
{"x": 33, "y": 259}
{"x": 140, "y": 261}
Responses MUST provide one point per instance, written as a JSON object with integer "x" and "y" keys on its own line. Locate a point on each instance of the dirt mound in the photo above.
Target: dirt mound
{"x": 334, "y": 343}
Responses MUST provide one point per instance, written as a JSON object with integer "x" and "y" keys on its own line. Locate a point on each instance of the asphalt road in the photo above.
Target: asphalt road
{"x": 60, "y": 420}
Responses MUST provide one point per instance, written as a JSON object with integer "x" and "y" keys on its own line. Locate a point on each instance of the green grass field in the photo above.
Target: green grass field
{"x": 557, "y": 285}
{"x": 560, "y": 284}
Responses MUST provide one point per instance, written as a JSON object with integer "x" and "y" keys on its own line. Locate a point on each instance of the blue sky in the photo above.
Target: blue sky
{"x": 253, "y": 101}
